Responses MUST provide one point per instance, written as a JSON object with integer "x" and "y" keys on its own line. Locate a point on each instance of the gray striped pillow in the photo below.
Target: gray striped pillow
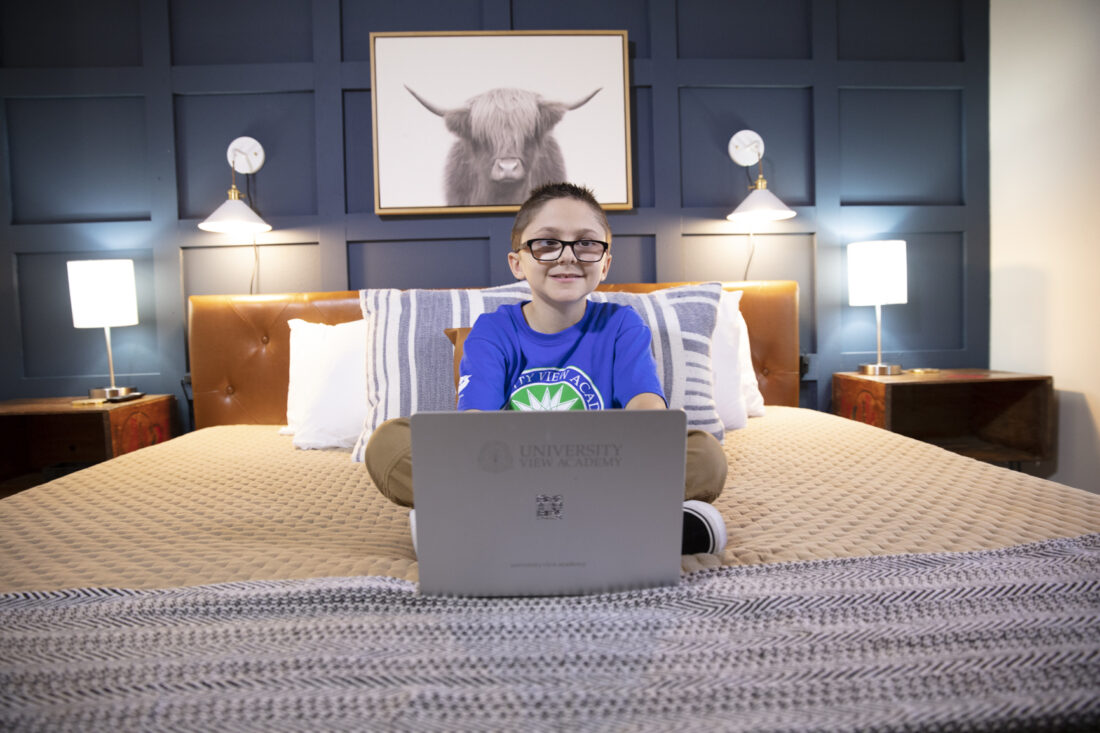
{"x": 682, "y": 322}
{"x": 410, "y": 361}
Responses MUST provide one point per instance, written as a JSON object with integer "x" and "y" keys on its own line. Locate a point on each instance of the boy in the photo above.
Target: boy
{"x": 560, "y": 243}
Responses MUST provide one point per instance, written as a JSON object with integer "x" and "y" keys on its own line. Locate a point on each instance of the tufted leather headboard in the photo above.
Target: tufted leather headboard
{"x": 240, "y": 345}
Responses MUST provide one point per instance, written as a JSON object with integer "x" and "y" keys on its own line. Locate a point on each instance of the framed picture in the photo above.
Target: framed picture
{"x": 471, "y": 122}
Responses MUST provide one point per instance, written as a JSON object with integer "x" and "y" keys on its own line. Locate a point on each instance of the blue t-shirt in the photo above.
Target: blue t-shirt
{"x": 602, "y": 361}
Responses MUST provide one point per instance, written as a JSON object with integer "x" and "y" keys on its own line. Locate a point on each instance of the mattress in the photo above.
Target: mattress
{"x": 239, "y": 503}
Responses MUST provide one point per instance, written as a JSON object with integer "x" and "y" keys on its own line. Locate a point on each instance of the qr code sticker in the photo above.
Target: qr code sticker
{"x": 549, "y": 506}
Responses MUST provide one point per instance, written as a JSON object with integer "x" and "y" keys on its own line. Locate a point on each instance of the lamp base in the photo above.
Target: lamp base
{"x": 113, "y": 393}
{"x": 879, "y": 370}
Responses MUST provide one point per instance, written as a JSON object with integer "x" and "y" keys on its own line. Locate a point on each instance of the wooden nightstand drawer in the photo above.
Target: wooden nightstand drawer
{"x": 77, "y": 438}
{"x": 992, "y": 416}
{"x": 40, "y": 433}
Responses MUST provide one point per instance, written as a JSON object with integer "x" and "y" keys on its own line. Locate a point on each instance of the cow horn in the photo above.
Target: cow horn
{"x": 572, "y": 106}
{"x": 431, "y": 107}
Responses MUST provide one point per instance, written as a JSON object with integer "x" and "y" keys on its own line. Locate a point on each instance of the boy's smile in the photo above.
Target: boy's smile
{"x": 560, "y": 288}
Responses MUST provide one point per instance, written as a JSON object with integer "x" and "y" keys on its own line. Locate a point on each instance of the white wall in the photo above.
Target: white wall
{"x": 1045, "y": 191}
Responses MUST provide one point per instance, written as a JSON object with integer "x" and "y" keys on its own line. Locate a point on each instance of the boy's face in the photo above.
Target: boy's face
{"x": 566, "y": 280}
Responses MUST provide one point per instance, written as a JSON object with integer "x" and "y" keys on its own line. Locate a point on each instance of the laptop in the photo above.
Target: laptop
{"x": 548, "y": 503}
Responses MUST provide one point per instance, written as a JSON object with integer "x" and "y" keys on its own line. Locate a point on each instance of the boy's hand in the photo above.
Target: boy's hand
{"x": 646, "y": 401}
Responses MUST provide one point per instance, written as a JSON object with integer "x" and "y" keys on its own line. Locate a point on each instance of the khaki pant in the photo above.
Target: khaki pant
{"x": 389, "y": 463}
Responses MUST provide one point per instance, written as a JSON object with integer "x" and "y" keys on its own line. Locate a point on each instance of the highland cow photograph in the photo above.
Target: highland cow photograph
{"x": 472, "y": 122}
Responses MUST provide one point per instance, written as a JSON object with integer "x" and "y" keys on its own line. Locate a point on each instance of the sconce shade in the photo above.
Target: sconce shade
{"x": 761, "y": 205}
{"x": 102, "y": 293}
{"x": 746, "y": 148}
{"x": 877, "y": 272}
{"x": 234, "y": 217}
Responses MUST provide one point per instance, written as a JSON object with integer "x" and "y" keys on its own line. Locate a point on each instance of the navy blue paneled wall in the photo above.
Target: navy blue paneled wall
{"x": 117, "y": 115}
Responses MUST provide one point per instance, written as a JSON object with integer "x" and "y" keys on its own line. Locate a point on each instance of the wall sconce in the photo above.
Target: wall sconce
{"x": 246, "y": 156}
{"x": 877, "y": 276}
{"x": 746, "y": 148}
{"x": 103, "y": 294}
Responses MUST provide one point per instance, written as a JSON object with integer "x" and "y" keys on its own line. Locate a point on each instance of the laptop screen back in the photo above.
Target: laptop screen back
{"x": 548, "y": 503}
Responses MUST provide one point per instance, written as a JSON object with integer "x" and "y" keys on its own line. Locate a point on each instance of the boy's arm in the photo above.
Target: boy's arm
{"x": 646, "y": 401}
{"x": 482, "y": 373}
{"x": 635, "y": 368}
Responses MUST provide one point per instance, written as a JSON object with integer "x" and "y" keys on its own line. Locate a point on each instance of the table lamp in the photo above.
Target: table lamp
{"x": 103, "y": 294}
{"x": 877, "y": 276}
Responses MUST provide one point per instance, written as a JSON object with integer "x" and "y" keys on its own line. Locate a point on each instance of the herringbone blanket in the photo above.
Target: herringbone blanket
{"x": 977, "y": 640}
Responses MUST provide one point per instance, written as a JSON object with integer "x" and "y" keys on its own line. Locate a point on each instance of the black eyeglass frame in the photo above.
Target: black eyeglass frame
{"x": 565, "y": 243}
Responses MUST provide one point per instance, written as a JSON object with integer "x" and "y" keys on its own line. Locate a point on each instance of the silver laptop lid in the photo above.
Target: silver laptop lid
{"x": 548, "y": 503}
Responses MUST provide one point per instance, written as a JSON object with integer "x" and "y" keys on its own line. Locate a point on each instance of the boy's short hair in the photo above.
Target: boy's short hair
{"x": 548, "y": 192}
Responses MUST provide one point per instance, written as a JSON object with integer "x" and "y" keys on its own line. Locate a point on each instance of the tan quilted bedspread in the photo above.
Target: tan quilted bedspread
{"x": 240, "y": 503}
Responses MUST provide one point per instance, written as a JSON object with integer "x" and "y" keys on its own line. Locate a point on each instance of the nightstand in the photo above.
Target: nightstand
{"x": 1000, "y": 417}
{"x": 40, "y": 435}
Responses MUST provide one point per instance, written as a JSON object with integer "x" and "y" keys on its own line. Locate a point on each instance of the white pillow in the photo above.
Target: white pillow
{"x": 304, "y": 341}
{"x": 726, "y": 362}
{"x": 410, "y": 360}
{"x": 326, "y": 396}
{"x": 750, "y": 388}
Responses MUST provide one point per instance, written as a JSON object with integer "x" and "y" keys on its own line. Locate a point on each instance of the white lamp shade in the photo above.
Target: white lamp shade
{"x": 877, "y": 273}
{"x": 102, "y": 293}
{"x": 234, "y": 217}
{"x": 761, "y": 205}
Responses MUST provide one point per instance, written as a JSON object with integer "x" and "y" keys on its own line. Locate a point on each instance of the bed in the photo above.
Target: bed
{"x": 229, "y": 579}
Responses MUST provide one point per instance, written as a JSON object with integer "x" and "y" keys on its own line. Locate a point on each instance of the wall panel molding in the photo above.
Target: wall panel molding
{"x": 885, "y": 131}
{"x": 742, "y": 29}
{"x": 875, "y": 116}
{"x": 62, "y": 149}
{"x": 70, "y": 34}
{"x": 913, "y": 30}
{"x": 284, "y": 123}
{"x": 240, "y": 32}
{"x": 709, "y": 116}
{"x": 421, "y": 263}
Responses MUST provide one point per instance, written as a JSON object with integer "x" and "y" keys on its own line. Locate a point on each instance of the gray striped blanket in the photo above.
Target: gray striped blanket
{"x": 983, "y": 640}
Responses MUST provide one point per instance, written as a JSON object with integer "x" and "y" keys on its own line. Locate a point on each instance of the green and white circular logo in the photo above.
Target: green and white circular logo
{"x": 542, "y": 389}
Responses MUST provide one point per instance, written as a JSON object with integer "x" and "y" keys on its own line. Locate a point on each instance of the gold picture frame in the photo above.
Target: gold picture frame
{"x": 468, "y": 122}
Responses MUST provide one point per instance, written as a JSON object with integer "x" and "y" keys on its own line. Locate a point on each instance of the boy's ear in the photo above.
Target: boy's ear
{"x": 513, "y": 263}
{"x": 606, "y": 266}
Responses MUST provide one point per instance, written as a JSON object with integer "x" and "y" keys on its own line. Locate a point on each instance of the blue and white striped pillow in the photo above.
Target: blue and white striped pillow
{"x": 410, "y": 361}
{"x": 682, "y": 322}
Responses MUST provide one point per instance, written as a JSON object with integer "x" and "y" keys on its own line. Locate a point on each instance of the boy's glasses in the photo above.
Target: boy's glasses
{"x": 584, "y": 250}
